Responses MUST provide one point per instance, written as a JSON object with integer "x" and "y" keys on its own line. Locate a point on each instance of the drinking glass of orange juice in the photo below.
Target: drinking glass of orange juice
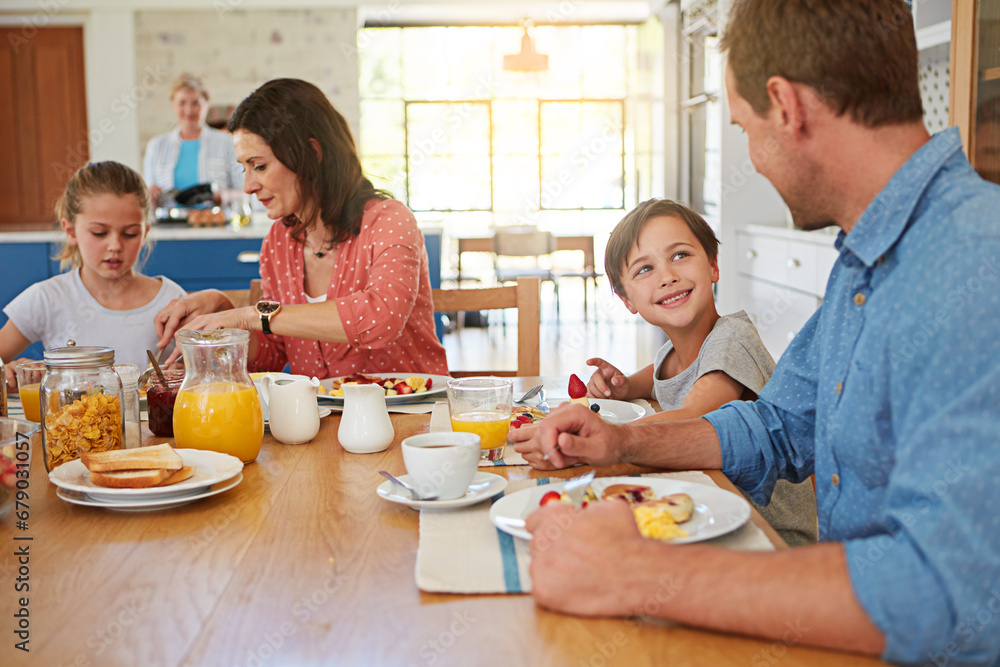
{"x": 29, "y": 378}
{"x": 482, "y": 405}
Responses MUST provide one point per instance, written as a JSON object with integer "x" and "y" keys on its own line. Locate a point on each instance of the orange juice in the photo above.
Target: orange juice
{"x": 220, "y": 416}
{"x": 29, "y": 401}
{"x": 491, "y": 427}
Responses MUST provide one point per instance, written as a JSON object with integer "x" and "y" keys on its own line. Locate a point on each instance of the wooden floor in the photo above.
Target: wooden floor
{"x": 565, "y": 342}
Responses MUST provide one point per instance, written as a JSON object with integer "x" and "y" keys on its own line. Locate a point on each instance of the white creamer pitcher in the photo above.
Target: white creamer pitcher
{"x": 365, "y": 426}
{"x": 292, "y": 410}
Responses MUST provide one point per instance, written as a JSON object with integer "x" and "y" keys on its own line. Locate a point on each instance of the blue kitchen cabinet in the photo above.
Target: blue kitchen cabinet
{"x": 224, "y": 264}
{"x": 24, "y": 264}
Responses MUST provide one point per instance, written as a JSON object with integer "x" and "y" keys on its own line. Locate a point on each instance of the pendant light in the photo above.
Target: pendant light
{"x": 528, "y": 60}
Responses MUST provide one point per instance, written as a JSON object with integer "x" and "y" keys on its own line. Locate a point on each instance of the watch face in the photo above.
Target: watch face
{"x": 268, "y": 307}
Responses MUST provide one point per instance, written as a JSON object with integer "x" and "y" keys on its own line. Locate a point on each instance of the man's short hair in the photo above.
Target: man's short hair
{"x": 626, "y": 233}
{"x": 860, "y": 56}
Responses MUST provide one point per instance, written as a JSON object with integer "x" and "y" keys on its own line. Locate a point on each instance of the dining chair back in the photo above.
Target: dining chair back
{"x": 245, "y": 297}
{"x": 530, "y": 248}
{"x": 524, "y": 296}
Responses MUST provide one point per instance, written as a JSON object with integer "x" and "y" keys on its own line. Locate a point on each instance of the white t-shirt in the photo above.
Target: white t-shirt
{"x": 60, "y": 309}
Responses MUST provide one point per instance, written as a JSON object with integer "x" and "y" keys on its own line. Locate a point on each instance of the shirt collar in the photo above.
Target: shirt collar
{"x": 884, "y": 221}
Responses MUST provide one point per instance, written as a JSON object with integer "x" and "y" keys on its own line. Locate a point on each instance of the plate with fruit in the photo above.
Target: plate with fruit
{"x": 669, "y": 510}
{"x": 400, "y": 387}
{"x": 612, "y": 411}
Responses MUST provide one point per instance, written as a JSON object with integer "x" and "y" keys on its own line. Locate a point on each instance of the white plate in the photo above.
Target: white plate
{"x": 210, "y": 468}
{"x": 716, "y": 511}
{"x": 619, "y": 412}
{"x": 439, "y": 385}
{"x": 146, "y": 504}
{"x": 494, "y": 485}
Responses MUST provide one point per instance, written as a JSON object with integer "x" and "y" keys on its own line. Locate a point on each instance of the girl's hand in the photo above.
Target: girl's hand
{"x": 607, "y": 381}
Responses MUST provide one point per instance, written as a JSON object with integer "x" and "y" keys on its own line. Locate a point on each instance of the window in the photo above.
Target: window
{"x": 446, "y": 129}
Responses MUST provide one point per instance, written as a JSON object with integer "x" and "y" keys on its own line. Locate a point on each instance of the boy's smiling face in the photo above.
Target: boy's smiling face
{"x": 668, "y": 277}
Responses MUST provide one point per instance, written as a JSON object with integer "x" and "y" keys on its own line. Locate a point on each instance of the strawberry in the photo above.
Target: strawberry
{"x": 515, "y": 424}
{"x": 577, "y": 389}
{"x": 403, "y": 388}
{"x": 430, "y": 381}
{"x": 550, "y": 497}
{"x": 524, "y": 419}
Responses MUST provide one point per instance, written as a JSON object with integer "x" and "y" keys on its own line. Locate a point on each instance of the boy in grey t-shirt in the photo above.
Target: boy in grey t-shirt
{"x": 662, "y": 260}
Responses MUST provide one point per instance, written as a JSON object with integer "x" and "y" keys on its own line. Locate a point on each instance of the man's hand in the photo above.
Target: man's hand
{"x": 570, "y": 434}
{"x": 607, "y": 381}
{"x": 577, "y": 558}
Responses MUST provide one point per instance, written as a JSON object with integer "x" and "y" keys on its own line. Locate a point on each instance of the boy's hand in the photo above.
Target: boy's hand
{"x": 607, "y": 381}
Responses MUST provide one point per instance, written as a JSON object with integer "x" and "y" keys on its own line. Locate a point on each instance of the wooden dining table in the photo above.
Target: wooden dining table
{"x": 302, "y": 564}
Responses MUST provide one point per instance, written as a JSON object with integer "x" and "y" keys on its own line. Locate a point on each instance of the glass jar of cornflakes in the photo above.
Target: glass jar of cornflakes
{"x": 81, "y": 403}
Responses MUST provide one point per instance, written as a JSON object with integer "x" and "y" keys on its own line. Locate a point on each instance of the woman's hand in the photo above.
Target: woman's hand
{"x": 607, "y": 381}
{"x": 234, "y": 318}
{"x": 178, "y": 313}
{"x": 154, "y": 194}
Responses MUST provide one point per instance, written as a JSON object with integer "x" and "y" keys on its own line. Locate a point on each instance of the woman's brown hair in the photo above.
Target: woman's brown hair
{"x": 287, "y": 114}
{"x": 626, "y": 233}
{"x": 97, "y": 178}
{"x": 859, "y": 55}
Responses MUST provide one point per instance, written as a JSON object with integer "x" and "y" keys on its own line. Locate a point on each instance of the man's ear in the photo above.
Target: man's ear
{"x": 317, "y": 148}
{"x": 787, "y": 104}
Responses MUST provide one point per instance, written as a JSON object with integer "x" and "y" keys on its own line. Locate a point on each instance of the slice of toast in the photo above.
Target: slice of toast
{"x": 157, "y": 457}
{"x": 129, "y": 479}
{"x": 178, "y": 476}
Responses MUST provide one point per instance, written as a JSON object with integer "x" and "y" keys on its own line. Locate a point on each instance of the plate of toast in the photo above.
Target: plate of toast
{"x": 145, "y": 474}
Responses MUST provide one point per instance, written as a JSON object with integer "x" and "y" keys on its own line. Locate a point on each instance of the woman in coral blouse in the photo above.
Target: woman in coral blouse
{"x": 343, "y": 270}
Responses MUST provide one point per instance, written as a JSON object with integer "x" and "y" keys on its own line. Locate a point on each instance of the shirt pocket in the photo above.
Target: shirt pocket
{"x": 866, "y": 446}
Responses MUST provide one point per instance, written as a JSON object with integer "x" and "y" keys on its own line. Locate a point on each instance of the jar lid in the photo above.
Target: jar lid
{"x": 79, "y": 357}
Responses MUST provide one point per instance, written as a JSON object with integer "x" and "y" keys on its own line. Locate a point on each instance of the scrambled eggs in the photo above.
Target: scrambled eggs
{"x": 657, "y": 523}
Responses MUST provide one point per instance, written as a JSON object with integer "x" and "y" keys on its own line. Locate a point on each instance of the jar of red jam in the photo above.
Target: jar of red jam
{"x": 160, "y": 399}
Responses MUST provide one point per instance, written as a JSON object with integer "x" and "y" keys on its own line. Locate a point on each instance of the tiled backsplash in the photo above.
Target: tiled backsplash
{"x": 235, "y": 51}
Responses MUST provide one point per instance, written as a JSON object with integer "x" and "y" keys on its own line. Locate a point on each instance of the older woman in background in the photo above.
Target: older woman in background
{"x": 191, "y": 153}
{"x": 344, "y": 270}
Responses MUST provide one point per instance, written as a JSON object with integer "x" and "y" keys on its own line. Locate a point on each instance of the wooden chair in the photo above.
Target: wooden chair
{"x": 245, "y": 297}
{"x": 532, "y": 249}
{"x": 524, "y": 296}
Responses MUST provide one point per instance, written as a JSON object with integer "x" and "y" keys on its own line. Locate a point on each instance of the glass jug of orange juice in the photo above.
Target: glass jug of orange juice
{"x": 217, "y": 407}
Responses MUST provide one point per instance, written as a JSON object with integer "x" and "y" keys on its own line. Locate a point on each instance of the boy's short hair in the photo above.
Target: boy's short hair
{"x": 626, "y": 233}
{"x": 821, "y": 43}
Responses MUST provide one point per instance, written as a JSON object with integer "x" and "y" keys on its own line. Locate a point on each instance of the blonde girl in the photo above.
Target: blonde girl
{"x": 102, "y": 299}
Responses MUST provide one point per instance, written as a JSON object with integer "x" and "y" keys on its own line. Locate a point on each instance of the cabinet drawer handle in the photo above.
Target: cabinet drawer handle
{"x": 794, "y": 263}
{"x": 248, "y": 257}
{"x": 751, "y": 254}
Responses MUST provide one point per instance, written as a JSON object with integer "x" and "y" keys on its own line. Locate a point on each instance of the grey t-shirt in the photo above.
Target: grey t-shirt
{"x": 734, "y": 347}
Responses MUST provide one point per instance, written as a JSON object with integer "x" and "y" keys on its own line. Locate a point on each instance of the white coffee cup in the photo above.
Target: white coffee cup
{"x": 441, "y": 464}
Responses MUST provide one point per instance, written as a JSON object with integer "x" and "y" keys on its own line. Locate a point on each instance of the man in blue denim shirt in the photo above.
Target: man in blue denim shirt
{"x": 889, "y": 394}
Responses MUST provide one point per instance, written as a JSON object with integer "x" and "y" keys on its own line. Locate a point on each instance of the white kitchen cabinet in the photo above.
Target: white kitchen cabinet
{"x": 781, "y": 279}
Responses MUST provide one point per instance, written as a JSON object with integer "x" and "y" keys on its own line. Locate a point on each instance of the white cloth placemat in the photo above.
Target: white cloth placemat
{"x": 14, "y": 409}
{"x": 460, "y": 551}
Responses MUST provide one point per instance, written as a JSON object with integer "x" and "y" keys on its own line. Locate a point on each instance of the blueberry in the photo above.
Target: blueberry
{"x": 595, "y": 407}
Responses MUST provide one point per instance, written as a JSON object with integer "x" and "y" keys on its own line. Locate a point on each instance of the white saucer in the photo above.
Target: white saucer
{"x": 143, "y": 504}
{"x": 494, "y": 485}
{"x": 324, "y": 411}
